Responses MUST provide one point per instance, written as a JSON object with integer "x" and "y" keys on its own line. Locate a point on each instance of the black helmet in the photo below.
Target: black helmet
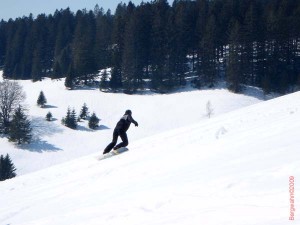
{"x": 128, "y": 112}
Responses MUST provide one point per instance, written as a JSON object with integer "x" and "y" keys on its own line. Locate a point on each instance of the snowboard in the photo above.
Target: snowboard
{"x": 113, "y": 153}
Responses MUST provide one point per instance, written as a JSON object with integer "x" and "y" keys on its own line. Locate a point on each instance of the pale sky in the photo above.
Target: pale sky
{"x": 18, "y": 8}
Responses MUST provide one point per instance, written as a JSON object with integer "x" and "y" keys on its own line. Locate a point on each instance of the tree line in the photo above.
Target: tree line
{"x": 156, "y": 45}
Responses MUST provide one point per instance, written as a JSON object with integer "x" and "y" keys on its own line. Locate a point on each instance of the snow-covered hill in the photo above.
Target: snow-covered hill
{"x": 231, "y": 169}
{"x": 53, "y": 143}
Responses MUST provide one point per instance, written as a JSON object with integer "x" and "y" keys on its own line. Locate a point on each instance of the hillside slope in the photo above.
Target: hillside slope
{"x": 53, "y": 143}
{"x": 232, "y": 169}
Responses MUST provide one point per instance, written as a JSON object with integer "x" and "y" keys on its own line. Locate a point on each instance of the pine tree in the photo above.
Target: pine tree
{"x": 178, "y": 42}
{"x": 251, "y": 34}
{"x": 20, "y": 127}
{"x": 115, "y": 82}
{"x": 94, "y": 121}
{"x": 2, "y": 42}
{"x": 69, "y": 81}
{"x": 42, "y": 52}
{"x": 12, "y": 67}
{"x": 159, "y": 44}
{"x": 130, "y": 67}
{"x": 158, "y": 51}
{"x": 209, "y": 46}
{"x": 36, "y": 71}
{"x": 7, "y": 168}
{"x": 41, "y": 100}
{"x": 203, "y": 8}
{"x": 57, "y": 71}
{"x": 62, "y": 63}
{"x": 84, "y": 112}
{"x": 66, "y": 120}
{"x": 26, "y": 63}
{"x": 62, "y": 46}
{"x": 233, "y": 73}
{"x": 136, "y": 54}
{"x": 83, "y": 45}
{"x": 71, "y": 119}
{"x": 103, "y": 40}
{"x": 49, "y": 116}
{"x": 104, "y": 82}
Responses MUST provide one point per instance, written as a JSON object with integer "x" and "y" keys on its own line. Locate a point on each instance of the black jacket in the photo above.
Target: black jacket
{"x": 124, "y": 123}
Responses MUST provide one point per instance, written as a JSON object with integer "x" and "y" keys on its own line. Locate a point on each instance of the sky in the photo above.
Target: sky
{"x": 19, "y": 8}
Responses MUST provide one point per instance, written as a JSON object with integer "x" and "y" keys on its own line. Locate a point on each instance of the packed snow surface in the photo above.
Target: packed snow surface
{"x": 232, "y": 169}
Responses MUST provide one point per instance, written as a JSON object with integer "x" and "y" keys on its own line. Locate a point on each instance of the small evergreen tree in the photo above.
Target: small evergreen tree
{"x": 49, "y": 116}
{"x": 94, "y": 121}
{"x": 73, "y": 119}
{"x": 66, "y": 120}
{"x": 20, "y": 129}
{"x": 7, "y": 168}
{"x": 41, "y": 100}
{"x": 70, "y": 119}
{"x": 84, "y": 112}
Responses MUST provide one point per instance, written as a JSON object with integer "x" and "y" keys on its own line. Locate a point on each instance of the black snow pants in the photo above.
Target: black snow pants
{"x": 116, "y": 134}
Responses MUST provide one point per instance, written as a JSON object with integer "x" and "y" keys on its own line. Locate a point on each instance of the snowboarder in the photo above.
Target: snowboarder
{"x": 120, "y": 130}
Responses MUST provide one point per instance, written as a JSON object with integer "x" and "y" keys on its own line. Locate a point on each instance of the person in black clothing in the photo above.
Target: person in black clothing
{"x": 120, "y": 130}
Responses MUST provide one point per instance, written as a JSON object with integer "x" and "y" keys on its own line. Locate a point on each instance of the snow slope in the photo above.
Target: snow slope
{"x": 231, "y": 169}
{"x": 54, "y": 143}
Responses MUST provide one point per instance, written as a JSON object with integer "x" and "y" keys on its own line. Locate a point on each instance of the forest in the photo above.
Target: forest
{"x": 158, "y": 46}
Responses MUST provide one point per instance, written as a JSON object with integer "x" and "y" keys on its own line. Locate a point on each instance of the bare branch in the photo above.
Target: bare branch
{"x": 11, "y": 96}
